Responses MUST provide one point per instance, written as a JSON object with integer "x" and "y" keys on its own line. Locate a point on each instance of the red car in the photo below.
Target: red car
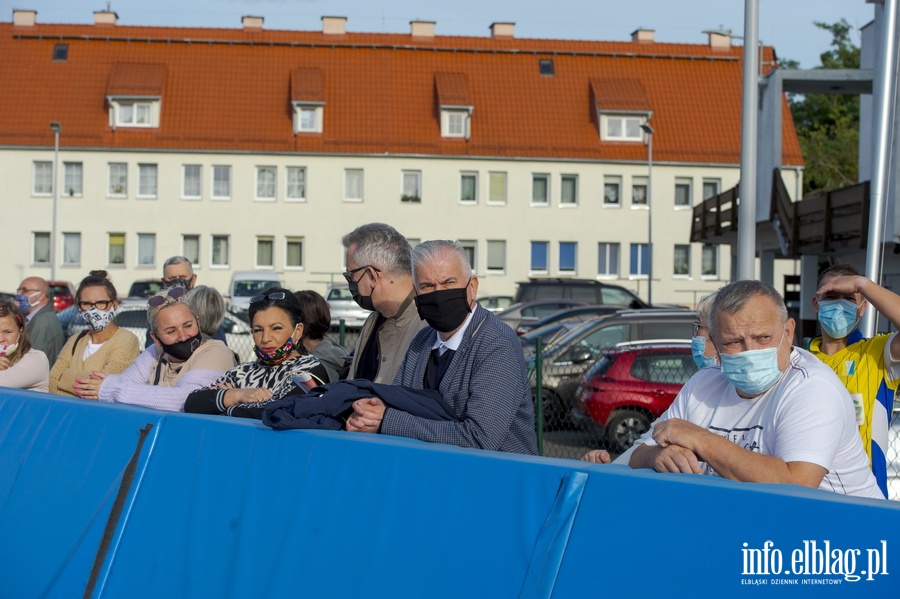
{"x": 631, "y": 386}
{"x": 63, "y": 294}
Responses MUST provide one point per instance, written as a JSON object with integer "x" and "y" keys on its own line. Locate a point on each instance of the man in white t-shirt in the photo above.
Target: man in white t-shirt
{"x": 769, "y": 413}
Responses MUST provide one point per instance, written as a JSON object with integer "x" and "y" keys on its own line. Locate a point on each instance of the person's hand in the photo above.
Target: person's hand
{"x": 246, "y": 395}
{"x": 676, "y": 431}
{"x": 4, "y": 362}
{"x": 846, "y": 284}
{"x": 597, "y": 456}
{"x": 675, "y": 458}
{"x": 89, "y": 388}
{"x": 367, "y": 415}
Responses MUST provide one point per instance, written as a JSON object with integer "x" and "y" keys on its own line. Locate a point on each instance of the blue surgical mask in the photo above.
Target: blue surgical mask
{"x": 698, "y": 346}
{"x": 838, "y": 317}
{"x": 752, "y": 371}
{"x": 24, "y": 304}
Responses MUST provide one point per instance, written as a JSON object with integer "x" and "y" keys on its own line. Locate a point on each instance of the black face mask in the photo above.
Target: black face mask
{"x": 444, "y": 310}
{"x": 363, "y": 301}
{"x": 183, "y": 349}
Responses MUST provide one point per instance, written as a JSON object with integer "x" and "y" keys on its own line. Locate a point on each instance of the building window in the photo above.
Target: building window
{"x": 608, "y": 259}
{"x": 497, "y": 188}
{"x": 134, "y": 114}
{"x": 221, "y": 183}
{"x": 639, "y": 260}
{"x": 296, "y": 183}
{"x": 43, "y": 178}
{"x": 354, "y": 185}
{"x": 308, "y": 118}
{"x": 118, "y": 179}
{"x": 468, "y": 188}
{"x": 71, "y": 249}
{"x": 190, "y": 183}
{"x": 60, "y": 52}
{"x": 683, "y": 191}
{"x": 455, "y": 123}
{"x": 115, "y": 243}
{"x": 710, "y": 261}
{"x": 40, "y": 248}
{"x": 681, "y": 261}
{"x": 568, "y": 191}
{"x": 539, "y": 251}
{"x": 496, "y": 256}
{"x": 146, "y": 249}
{"x": 622, "y": 128}
{"x": 265, "y": 252}
{"x": 147, "y": 180}
{"x": 220, "y": 256}
{"x": 293, "y": 252}
{"x": 612, "y": 190}
{"x": 412, "y": 186}
{"x": 74, "y": 179}
{"x": 190, "y": 249}
{"x": 568, "y": 257}
{"x": 540, "y": 190}
{"x": 711, "y": 188}
{"x": 471, "y": 248}
{"x": 265, "y": 183}
{"x": 639, "y": 191}
{"x": 545, "y": 67}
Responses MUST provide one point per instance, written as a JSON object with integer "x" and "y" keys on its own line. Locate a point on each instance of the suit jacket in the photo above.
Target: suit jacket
{"x": 486, "y": 385}
{"x": 45, "y": 332}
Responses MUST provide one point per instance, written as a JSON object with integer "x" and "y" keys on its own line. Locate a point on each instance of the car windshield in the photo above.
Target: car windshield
{"x": 250, "y": 288}
{"x": 340, "y": 293}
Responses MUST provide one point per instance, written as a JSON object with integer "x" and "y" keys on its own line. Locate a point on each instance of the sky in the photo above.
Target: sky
{"x": 788, "y": 25}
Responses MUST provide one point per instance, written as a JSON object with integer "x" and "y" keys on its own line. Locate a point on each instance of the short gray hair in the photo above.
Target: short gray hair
{"x": 732, "y": 297}
{"x": 153, "y": 311}
{"x": 381, "y": 246}
{"x": 176, "y": 260}
{"x": 704, "y": 307}
{"x": 437, "y": 248}
{"x": 208, "y": 306}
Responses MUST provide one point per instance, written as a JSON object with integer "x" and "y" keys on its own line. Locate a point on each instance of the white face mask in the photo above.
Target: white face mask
{"x": 97, "y": 319}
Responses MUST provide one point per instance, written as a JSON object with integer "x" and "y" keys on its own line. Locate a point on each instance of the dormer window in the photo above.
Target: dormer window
{"x": 454, "y": 123}
{"x": 622, "y": 128}
{"x": 455, "y": 104}
{"x": 308, "y": 99}
{"x": 134, "y": 95}
{"x": 308, "y": 117}
{"x": 133, "y": 114}
{"x": 620, "y": 107}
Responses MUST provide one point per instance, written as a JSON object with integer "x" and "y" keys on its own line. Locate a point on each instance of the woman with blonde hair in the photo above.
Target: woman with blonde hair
{"x": 21, "y": 366}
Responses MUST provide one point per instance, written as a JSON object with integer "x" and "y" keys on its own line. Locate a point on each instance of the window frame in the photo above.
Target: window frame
{"x": 111, "y": 186}
{"x": 685, "y": 247}
{"x": 294, "y": 239}
{"x": 637, "y": 184}
{"x": 413, "y": 176}
{"x": 289, "y": 185}
{"x": 184, "y": 251}
{"x": 711, "y": 181}
{"x": 714, "y": 249}
{"x": 77, "y": 191}
{"x": 642, "y": 262}
{"x": 212, "y": 251}
{"x": 563, "y": 202}
{"x": 257, "y": 181}
{"x": 471, "y": 248}
{"x": 455, "y": 123}
{"x": 607, "y": 120}
{"x": 70, "y": 235}
{"x": 214, "y": 195}
{"x": 146, "y": 167}
{"x": 535, "y": 178}
{"x": 134, "y": 104}
{"x": 615, "y": 261}
{"x": 109, "y": 249}
{"x": 265, "y": 239}
{"x": 44, "y": 236}
{"x": 531, "y": 263}
{"x": 184, "y": 182}
{"x": 462, "y": 176}
{"x": 612, "y": 180}
{"x": 143, "y": 237}
{"x": 504, "y": 175}
{"x": 46, "y": 178}
{"x": 496, "y": 271}
{"x": 684, "y": 182}
{"x": 567, "y": 245}
{"x": 361, "y": 175}
{"x": 301, "y": 126}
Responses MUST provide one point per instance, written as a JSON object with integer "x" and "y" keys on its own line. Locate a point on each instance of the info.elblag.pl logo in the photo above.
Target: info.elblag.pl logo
{"x": 817, "y": 559}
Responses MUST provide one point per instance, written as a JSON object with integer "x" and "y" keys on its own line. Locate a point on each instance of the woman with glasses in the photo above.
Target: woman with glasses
{"x": 276, "y": 318}
{"x": 103, "y": 347}
{"x": 180, "y": 360}
{"x": 21, "y": 366}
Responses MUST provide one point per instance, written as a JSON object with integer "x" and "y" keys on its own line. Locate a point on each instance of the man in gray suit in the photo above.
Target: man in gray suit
{"x": 41, "y": 324}
{"x": 474, "y": 360}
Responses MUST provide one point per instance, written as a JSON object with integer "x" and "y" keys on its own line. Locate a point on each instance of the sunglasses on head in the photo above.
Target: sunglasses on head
{"x": 275, "y": 295}
{"x": 174, "y": 293}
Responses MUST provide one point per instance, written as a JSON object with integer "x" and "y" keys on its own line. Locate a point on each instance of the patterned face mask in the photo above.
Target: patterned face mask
{"x": 278, "y": 356}
{"x": 97, "y": 319}
{"x": 7, "y": 350}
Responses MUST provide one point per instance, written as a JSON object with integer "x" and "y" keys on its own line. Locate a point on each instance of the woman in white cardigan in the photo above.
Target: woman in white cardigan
{"x": 21, "y": 366}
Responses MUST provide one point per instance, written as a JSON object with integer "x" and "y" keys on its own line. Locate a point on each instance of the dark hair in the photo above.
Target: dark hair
{"x": 316, "y": 314}
{"x": 97, "y": 278}
{"x": 9, "y": 307}
{"x": 837, "y": 270}
{"x": 289, "y": 303}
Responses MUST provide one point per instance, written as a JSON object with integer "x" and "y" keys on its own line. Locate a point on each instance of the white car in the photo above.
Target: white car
{"x": 245, "y": 285}
{"x": 343, "y": 307}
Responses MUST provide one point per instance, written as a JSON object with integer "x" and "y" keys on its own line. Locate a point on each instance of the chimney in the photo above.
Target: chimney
{"x": 334, "y": 25}
{"x": 422, "y": 28}
{"x": 252, "y": 23}
{"x": 24, "y": 18}
{"x": 502, "y": 29}
{"x": 719, "y": 38}
{"x": 105, "y": 17}
{"x": 644, "y": 36}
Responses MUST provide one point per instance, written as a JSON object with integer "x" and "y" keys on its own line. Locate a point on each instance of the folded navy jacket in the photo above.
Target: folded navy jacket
{"x": 328, "y": 406}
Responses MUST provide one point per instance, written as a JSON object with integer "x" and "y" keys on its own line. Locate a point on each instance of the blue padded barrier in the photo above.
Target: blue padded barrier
{"x": 220, "y": 507}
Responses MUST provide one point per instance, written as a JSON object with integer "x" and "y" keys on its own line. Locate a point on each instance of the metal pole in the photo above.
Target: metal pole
{"x": 56, "y": 128}
{"x": 882, "y": 125}
{"x": 749, "y": 105}
{"x": 649, "y": 131}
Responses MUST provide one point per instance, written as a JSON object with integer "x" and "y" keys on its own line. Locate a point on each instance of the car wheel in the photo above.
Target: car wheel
{"x": 553, "y": 417}
{"x": 625, "y": 427}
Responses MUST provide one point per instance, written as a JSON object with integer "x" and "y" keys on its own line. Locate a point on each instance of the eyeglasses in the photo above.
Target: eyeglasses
{"x": 696, "y": 326}
{"x": 174, "y": 293}
{"x": 102, "y": 305}
{"x": 23, "y": 291}
{"x": 275, "y": 295}
{"x": 348, "y": 274}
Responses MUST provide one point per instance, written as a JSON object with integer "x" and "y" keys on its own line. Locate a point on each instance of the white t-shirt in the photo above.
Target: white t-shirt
{"x": 807, "y": 416}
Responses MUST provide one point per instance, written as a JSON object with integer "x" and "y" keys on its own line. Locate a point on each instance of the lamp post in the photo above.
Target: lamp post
{"x": 649, "y": 131}
{"x": 56, "y": 128}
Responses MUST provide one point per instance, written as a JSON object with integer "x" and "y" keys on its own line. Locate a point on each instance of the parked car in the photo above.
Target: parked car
{"x": 246, "y": 284}
{"x": 578, "y": 312}
{"x": 496, "y": 303}
{"x": 548, "y": 334}
{"x": 344, "y": 307}
{"x": 584, "y": 291}
{"x": 145, "y": 288}
{"x": 63, "y": 294}
{"x": 533, "y": 311}
{"x": 631, "y": 386}
{"x": 569, "y": 356}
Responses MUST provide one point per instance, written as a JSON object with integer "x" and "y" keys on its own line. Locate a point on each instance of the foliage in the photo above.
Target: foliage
{"x": 828, "y": 124}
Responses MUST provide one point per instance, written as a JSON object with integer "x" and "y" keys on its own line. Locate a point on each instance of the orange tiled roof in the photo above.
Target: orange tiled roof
{"x": 452, "y": 89}
{"x": 231, "y": 89}
{"x": 307, "y": 85}
{"x": 137, "y": 80}
{"x": 620, "y": 94}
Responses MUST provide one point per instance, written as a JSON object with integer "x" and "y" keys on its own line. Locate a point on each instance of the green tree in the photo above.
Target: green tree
{"x": 828, "y": 124}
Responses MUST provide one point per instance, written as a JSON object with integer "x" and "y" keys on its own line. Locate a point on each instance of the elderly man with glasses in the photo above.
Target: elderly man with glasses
{"x": 41, "y": 324}
{"x": 379, "y": 271}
